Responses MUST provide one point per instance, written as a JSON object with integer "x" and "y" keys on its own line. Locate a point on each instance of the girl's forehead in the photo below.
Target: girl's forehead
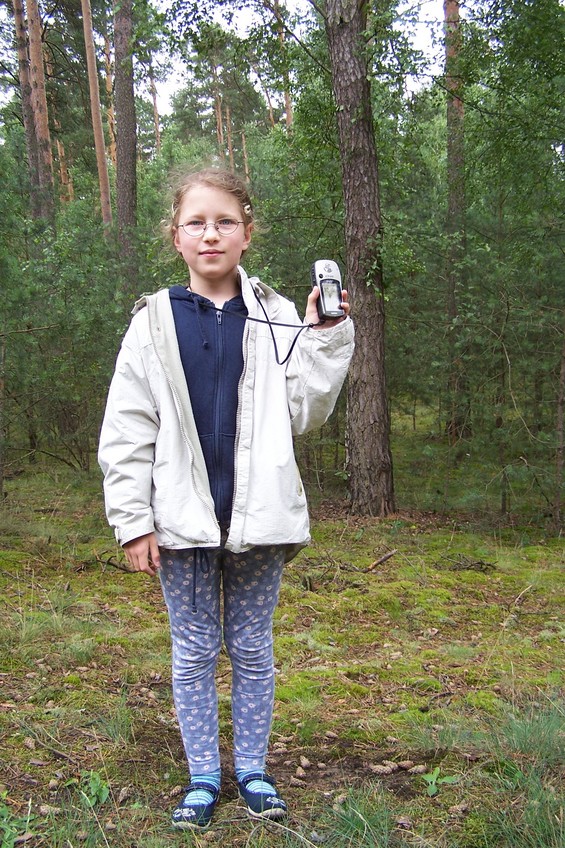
{"x": 204, "y": 196}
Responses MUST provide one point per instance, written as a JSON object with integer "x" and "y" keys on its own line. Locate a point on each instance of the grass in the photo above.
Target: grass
{"x": 440, "y": 666}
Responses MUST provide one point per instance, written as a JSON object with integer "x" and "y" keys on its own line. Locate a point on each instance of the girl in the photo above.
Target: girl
{"x": 201, "y": 484}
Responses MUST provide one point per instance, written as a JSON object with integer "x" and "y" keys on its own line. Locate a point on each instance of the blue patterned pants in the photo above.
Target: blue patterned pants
{"x": 192, "y": 581}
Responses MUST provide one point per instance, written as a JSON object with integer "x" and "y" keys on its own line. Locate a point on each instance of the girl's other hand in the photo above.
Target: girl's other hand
{"x": 143, "y": 554}
{"x": 312, "y": 317}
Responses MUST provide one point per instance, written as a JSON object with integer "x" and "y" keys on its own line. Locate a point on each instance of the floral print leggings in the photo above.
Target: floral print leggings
{"x": 192, "y": 581}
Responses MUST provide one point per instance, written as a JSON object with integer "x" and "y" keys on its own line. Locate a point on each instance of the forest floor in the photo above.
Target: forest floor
{"x": 419, "y": 686}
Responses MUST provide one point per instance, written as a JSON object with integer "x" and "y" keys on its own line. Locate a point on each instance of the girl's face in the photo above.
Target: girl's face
{"x": 211, "y": 257}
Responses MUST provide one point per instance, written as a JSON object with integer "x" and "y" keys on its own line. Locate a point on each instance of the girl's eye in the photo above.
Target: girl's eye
{"x": 195, "y": 223}
{"x": 227, "y": 222}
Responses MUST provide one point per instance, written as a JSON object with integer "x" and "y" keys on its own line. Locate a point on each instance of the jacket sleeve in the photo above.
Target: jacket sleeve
{"x": 127, "y": 444}
{"x": 316, "y": 372}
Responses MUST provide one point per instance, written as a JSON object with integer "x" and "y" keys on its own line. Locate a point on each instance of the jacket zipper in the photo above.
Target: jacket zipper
{"x": 218, "y": 397}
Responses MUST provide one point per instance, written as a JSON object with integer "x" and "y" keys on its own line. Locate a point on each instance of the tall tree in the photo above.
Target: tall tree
{"x": 369, "y": 455}
{"x": 109, "y": 88}
{"x": 458, "y": 423}
{"x": 27, "y": 109}
{"x": 126, "y": 138}
{"x": 40, "y": 113}
{"x": 95, "y": 110}
{"x": 275, "y": 8}
{"x": 156, "y": 120}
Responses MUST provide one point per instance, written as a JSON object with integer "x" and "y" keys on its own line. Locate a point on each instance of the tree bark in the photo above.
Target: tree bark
{"x": 126, "y": 140}
{"x": 560, "y": 453}
{"x": 245, "y": 157}
{"x": 95, "y": 110}
{"x": 267, "y": 96}
{"x": 229, "y": 137}
{"x": 109, "y": 85}
{"x": 156, "y": 120}
{"x": 40, "y": 114}
{"x": 218, "y": 111}
{"x": 66, "y": 192}
{"x": 27, "y": 110}
{"x": 2, "y": 403}
{"x": 458, "y": 424}
{"x": 369, "y": 459}
{"x": 288, "y": 110}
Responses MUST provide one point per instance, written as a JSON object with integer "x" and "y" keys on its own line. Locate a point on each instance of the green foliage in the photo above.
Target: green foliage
{"x": 13, "y": 827}
{"x": 93, "y": 788}
{"x": 364, "y": 819}
{"x": 422, "y": 660}
{"x": 434, "y": 779}
{"x": 70, "y": 285}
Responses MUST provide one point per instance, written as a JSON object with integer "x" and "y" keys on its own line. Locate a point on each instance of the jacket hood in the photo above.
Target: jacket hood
{"x": 251, "y": 289}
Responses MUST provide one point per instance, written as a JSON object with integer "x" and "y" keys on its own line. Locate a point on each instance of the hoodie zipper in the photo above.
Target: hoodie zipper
{"x": 218, "y": 397}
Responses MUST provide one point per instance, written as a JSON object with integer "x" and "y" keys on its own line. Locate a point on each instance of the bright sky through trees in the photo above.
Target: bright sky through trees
{"x": 426, "y": 35}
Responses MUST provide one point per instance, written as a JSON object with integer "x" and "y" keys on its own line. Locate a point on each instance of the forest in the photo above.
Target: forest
{"x": 419, "y": 636}
{"x": 437, "y": 188}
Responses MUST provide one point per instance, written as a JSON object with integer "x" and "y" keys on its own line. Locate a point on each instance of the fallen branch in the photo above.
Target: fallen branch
{"x": 382, "y": 559}
{"x": 121, "y": 566}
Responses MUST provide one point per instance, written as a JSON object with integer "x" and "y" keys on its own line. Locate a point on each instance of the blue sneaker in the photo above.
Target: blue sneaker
{"x": 259, "y": 792}
{"x": 194, "y": 813}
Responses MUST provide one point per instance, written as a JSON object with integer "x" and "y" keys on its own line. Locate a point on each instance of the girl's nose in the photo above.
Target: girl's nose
{"x": 210, "y": 233}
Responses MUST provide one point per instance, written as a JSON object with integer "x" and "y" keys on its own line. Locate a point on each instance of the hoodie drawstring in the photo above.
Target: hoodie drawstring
{"x": 199, "y": 308}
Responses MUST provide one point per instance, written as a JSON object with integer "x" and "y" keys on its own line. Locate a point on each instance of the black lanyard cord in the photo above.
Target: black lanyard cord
{"x": 271, "y": 324}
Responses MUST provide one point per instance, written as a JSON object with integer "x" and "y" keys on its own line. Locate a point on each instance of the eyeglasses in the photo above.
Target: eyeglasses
{"x": 225, "y": 227}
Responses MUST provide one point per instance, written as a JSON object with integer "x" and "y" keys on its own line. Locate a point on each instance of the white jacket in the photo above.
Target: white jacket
{"x": 155, "y": 477}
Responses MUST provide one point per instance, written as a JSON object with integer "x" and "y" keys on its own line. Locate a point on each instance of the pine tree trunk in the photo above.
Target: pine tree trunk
{"x": 126, "y": 141}
{"x": 27, "y": 110}
{"x": 560, "y": 453}
{"x": 276, "y": 10}
{"x": 109, "y": 86}
{"x": 156, "y": 120}
{"x": 267, "y": 96}
{"x": 219, "y": 115}
{"x": 458, "y": 424}
{"x": 2, "y": 403}
{"x": 40, "y": 114}
{"x": 66, "y": 191}
{"x": 245, "y": 158}
{"x": 230, "y": 139}
{"x": 95, "y": 110}
{"x": 369, "y": 459}
{"x": 65, "y": 181}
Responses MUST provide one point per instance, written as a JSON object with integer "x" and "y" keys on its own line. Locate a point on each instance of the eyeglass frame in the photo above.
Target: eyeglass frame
{"x": 206, "y": 224}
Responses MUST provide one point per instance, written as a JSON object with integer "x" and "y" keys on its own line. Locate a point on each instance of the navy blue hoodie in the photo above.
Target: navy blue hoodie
{"x": 210, "y": 345}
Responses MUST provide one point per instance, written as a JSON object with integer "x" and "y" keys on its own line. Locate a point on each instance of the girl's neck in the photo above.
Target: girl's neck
{"x": 217, "y": 291}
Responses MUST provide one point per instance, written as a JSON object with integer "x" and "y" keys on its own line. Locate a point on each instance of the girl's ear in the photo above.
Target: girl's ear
{"x": 176, "y": 240}
{"x": 247, "y": 237}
